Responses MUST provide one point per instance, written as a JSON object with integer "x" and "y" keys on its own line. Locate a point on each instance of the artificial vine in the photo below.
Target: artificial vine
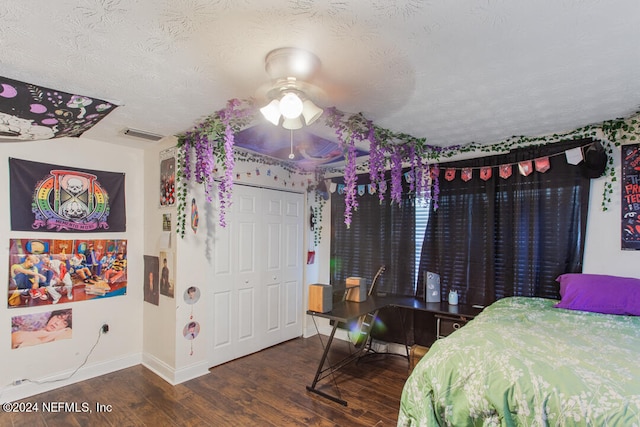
{"x": 211, "y": 143}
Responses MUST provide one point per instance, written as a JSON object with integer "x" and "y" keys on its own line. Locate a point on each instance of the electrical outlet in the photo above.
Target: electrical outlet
{"x": 17, "y": 382}
{"x": 105, "y": 328}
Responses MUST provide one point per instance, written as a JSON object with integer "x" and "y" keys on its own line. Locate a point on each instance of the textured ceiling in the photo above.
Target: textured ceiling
{"x": 452, "y": 71}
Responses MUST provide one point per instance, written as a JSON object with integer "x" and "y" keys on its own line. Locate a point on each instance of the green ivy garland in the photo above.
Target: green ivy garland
{"x": 216, "y": 132}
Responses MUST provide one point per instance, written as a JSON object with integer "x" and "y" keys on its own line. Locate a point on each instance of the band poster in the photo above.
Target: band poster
{"x": 48, "y": 272}
{"x": 56, "y": 198}
{"x": 630, "y": 197}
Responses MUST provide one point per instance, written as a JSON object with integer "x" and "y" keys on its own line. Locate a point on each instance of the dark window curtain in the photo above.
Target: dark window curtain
{"x": 505, "y": 237}
{"x": 380, "y": 234}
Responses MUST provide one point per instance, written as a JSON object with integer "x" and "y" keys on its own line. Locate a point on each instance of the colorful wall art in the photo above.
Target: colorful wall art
{"x": 630, "y": 197}
{"x": 43, "y": 271}
{"x": 29, "y": 112}
{"x": 54, "y": 198}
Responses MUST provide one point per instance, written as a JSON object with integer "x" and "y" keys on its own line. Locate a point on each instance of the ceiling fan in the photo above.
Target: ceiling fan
{"x": 290, "y": 95}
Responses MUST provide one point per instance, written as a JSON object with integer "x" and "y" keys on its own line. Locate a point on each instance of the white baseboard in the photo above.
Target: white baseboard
{"x": 173, "y": 376}
{"x": 34, "y": 386}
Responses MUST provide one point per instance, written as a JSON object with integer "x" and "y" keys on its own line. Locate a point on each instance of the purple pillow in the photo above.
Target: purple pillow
{"x": 599, "y": 293}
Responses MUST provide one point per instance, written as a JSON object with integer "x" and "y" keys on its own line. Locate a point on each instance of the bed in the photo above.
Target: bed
{"x": 523, "y": 362}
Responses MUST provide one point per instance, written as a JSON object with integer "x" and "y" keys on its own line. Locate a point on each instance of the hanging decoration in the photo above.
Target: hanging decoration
{"x": 192, "y": 328}
{"x": 211, "y": 143}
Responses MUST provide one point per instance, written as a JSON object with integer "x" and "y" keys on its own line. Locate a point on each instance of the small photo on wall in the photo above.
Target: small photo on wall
{"x": 40, "y": 328}
{"x": 167, "y": 273}
{"x": 151, "y": 279}
{"x": 166, "y": 222}
{"x": 192, "y": 295}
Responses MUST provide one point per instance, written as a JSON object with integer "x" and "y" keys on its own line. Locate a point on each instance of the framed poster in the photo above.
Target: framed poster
{"x": 630, "y": 211}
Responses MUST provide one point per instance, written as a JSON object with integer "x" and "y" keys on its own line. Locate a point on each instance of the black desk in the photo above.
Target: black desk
{"x": 348, "y": 311}
{"x": 344, "y": 312}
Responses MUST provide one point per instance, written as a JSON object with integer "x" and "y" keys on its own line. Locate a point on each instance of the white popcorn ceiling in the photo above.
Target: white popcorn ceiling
{"x": 451, "y": 71}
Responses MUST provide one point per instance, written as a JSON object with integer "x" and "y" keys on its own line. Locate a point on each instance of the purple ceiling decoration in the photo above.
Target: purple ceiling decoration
{"x": 29, "y": 112}
{"x": 309, "y": 150}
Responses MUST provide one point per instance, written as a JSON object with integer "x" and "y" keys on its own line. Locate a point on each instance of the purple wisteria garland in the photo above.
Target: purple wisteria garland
{"x": 211, "y": 143}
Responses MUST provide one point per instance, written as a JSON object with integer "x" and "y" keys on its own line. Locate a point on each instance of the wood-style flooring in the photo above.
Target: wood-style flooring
{"x": 267, "y": 388}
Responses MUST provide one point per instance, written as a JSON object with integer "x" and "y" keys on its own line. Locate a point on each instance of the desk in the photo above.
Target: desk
{"x": 344, "y": 312}
{"x": 348, "y": 311}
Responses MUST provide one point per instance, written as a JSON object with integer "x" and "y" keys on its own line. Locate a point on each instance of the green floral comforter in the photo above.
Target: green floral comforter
{"x": 522, "y": 362}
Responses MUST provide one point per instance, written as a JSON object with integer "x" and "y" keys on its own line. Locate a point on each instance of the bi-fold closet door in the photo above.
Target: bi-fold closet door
{"x": 258, "y": 272}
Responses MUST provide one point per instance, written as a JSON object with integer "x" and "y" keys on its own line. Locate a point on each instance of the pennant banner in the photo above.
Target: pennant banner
{"x": 466, "y": 174}
{"x": 29, "y": 112}
{"x": 485, "y": 173}
{"x": 55, "y": 198}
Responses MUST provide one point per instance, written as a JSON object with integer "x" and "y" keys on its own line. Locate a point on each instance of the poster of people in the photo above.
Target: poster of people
{"x": 167, "y": 276}
{"x": 47, "y": 271}
{"x": 151, "y": 279}
{"x": 40, "y": 328}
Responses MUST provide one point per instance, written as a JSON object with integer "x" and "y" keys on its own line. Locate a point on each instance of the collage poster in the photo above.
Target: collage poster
{"x": 47, "y": 271}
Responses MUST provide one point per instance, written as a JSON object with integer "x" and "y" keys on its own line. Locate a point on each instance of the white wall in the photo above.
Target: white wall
{"x": 603, "y": 253}
{"x": 122, "y": 345}
{"x": 166, "y": 351}
{"x": 159, "y": 322}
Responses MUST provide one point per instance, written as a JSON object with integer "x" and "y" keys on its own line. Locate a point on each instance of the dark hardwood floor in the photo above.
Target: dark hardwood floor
{"x": 263, "y": 389}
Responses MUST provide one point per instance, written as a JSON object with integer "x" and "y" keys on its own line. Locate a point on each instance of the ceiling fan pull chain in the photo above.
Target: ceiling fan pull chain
{"x": 291, "y": 155}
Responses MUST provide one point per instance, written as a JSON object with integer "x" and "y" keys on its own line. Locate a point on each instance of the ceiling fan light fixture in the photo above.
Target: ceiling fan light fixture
{"x": 292, "y": 124}
{"x": 291, "y": 105}
{"x": 271, "y": 112}
{"x": 311, "y": 112}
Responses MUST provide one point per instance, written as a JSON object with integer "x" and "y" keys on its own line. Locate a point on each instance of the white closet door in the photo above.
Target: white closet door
{"x": 257, "y": 273}
{"x": 283, "y": 279}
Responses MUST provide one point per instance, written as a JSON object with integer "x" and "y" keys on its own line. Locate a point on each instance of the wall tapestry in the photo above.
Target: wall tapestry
{"x": 39, "y": 328}
{"x": 43, "y": 272}
{"x": 55, "y": 198}
{"x": 29, "y": 112}
{"x": 631, "y": 197}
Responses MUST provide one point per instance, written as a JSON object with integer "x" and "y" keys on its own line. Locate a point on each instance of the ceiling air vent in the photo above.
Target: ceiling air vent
{"x": 142, "y": 134}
